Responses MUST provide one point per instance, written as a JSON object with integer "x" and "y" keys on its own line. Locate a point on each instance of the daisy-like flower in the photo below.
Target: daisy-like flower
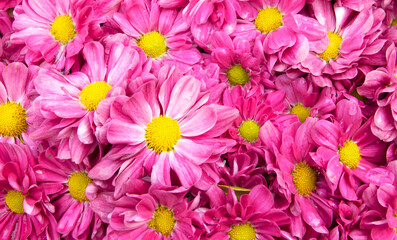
{"x": 347, "y": 150}
{"x": 15, "y": 102}
{"x": 299, "y": 180}
{"x": 165, "y": 126}
{"x": 306, "y": 98}
{"x": 161, "y": 33}
{"x": 251, "y": 217}
{"x": 66, "y": 184}
{"x": 144, "y": 213}
{"x": 237, "y": 64}
{"x": 26, "y": 211}
{"x": 67, "y": 103}
{"x": 55, "y": 33}
{"x": 348, "y": 44}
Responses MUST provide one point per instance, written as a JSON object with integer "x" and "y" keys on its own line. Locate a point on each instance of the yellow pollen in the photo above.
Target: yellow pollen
{"x": 242, "y": 232}
{"x": 153, "y": 44}
{"x": 332, "y": 50}
{"x": 350, "y": 154}
{"x": 249, "y": 130}
{"x": 162, "y": 133}
{"x": 12, "y": 119}
{"x": 14, "y": 201}
{"x": 93, "y": 93}
{"x": 301, "y": 111}
{"x": 304, "y": 178}
{"x": 63, "y": 29}
{"x": 394, "y": 22}
{"x": 237, "y": 75}
{"x": 163, "y": 220}
{"x": 77, "y": 183}
{"x": 268, "y": 19}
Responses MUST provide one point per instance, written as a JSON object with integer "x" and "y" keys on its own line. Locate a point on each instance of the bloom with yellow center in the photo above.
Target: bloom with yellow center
{"x": 14, "y": 201}
{"x": 332, "y": 50}
{"x": 12, "y": 119}
{"x": 242, "y": 232}
{"x": 304, "y": 178}
{"x": 93, "y": 93}
{"x": 237, "y": 75}
{"x": 350, "y": 154}
{"x": 268, "y": 19}
{"x": 63, "y": 29}
{"x": 162, "y": 134}
{"x": 249, "y": 130}
{"x": 301, "y": 111}
{"x": 78, "y": 183}
{"x": 163, "y": 220}
{"x": 153, "y": 44}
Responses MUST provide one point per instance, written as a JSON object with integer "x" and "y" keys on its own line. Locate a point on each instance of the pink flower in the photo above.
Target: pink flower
{"x": 67, "y": 103}
{"x": 165, "y": 126}
{"x": 347, "y": 150}
{"x": 161, "y": 33}
{"x": 67, "y": 183}
{"x": 253, "y": 216}
{"x": 144, "y": 213}
{"x": 26, "y": 211}
{"x": 15, "y": 101}
{"x": 55, "y": 33}
{"x": 347, "y": 45}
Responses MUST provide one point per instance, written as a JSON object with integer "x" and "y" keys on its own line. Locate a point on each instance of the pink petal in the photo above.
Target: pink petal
{"x": 120, "y": 132}
{"x": 188, "y": 172}
{"x": 15, "y": 76}
{"x": 161, "y": 170}
{"x": 199, "y": 122}
{"x": 70, "y": 217}
{"x": 195, "y": 152}
{"x": 94, "y": 55}
{"x": 138, "y": 109}
{"x": 261, "y": 198}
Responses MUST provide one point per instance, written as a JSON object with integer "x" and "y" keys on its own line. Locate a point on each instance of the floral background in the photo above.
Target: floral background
{"x": 198, "y": 119}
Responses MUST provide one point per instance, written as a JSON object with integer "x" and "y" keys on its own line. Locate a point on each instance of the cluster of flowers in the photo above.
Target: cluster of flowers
{"x": 197, "y": 119}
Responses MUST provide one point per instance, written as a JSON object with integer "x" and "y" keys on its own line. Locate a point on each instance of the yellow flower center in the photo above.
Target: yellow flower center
{"x": 237, "y": 75}
{"x": 14, "y": 201}
{"x": 77, "y": 183}
{"x": 249, "y": 130}
{"x": 12, "y": 119}
{"x": 242, "y": 232}
{"x": 162, "y": 133}
{"x": 301, "y": 112}
{"x": 153, "y": 44}
{"x": 332, "y": 50}
{"x": 63, "y": 29}
{"x": 163, "y": 221}
{"x": 304, "y": 178}
{"x": 93, "y": 93}
{"x": 350, "y": 154}
{"x": 268, "y": 19}
{"x": 394, "y": 22}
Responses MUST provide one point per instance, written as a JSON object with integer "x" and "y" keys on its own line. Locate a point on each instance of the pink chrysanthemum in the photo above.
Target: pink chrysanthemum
{"x": 26, "y": 211}
{"x": 55, "y": 31}
{"x": 161, "y": 33}
{"x": 165, "y": 126}
{"x": 67, "y": 183}
{"x": 347, "y": 150}
{"x": 252, "y": 216}
{"x": 15, "y": 102}
{"x": 145, "y": 213}
{"x": 348, "y": 44}
{"x": 67, "y": 103}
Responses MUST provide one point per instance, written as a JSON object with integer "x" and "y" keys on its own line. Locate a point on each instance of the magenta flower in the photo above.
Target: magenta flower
{"x": 253, "y": 216}
{"x": 67, "y": 103}
{"x": 67, "y": 183}
{"x": 347, "y": 149}
{"x": 15, "y": 102}
{"x": 145, "y": 213}
{"x": 161, "y": 33}
{"x": 26, "y": 211}
{"x": 165, "y": 126}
